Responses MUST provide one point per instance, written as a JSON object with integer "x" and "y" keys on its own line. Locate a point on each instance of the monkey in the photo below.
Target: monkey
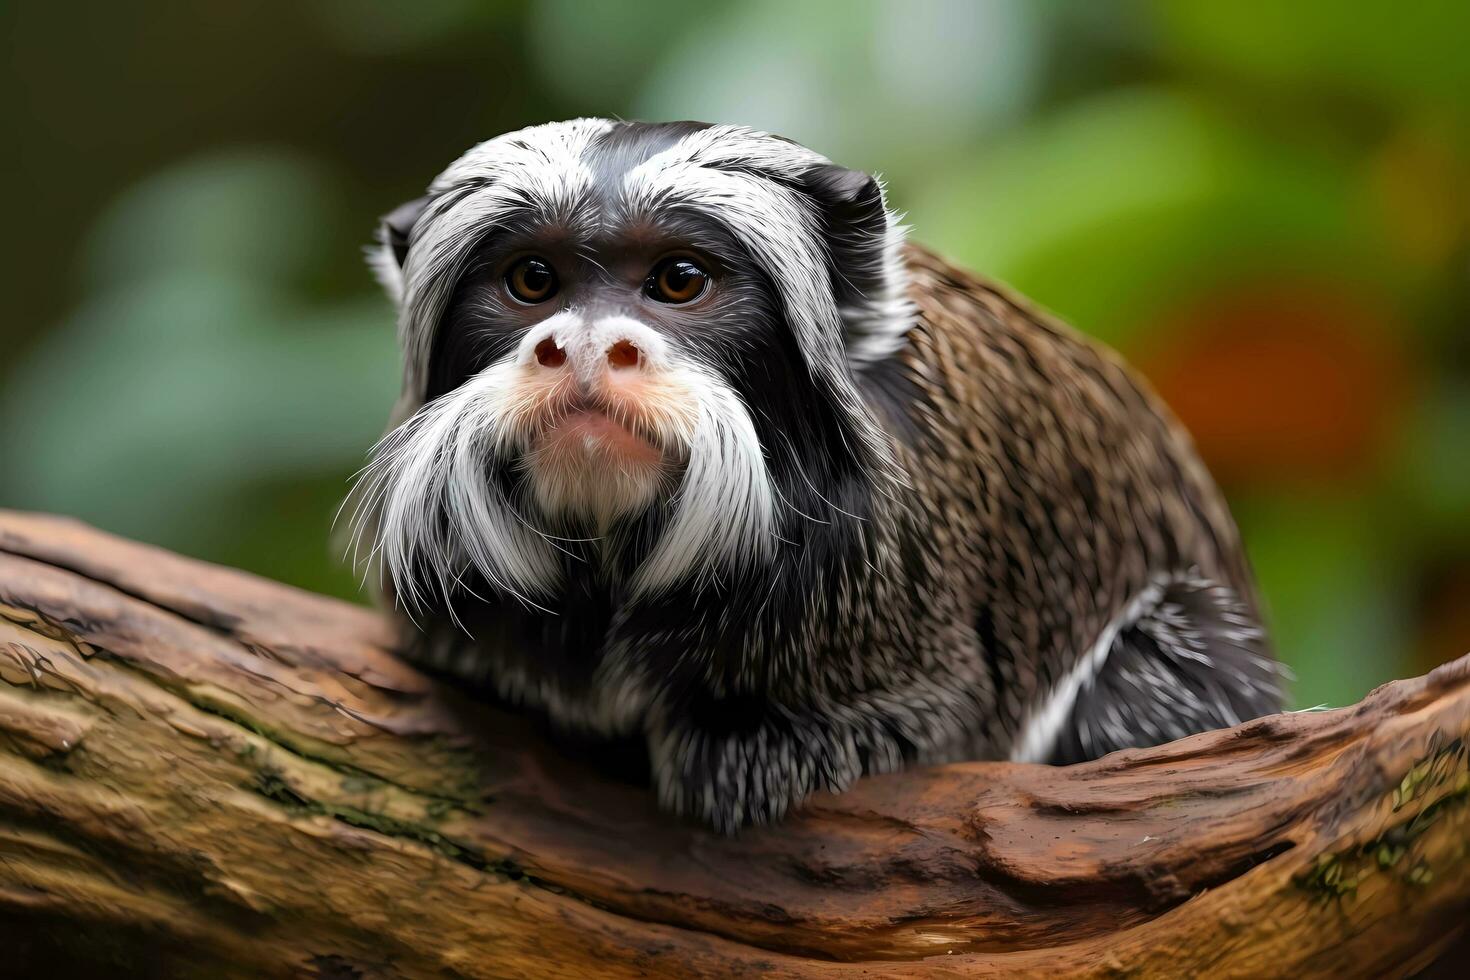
{"x": 694, "y": 448}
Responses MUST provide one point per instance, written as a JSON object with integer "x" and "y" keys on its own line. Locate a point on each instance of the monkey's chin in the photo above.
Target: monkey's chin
{"x": 589, "y": 467}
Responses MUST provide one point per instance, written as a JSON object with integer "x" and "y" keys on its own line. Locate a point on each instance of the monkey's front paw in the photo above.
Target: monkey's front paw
{"x": 731, "y": 781}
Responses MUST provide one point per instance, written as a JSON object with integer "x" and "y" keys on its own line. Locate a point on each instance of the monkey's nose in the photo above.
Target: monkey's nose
{"x": 549, "y": 354}
{"x": 611, "y": 350}
{"x": 624, "y": 354}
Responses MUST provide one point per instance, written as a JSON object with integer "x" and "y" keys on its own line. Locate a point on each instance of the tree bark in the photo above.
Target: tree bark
{"x": 203, "y": 774}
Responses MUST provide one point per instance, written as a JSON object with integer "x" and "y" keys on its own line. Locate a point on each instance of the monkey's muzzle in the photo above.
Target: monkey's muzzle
{"x": 607, "y": 416}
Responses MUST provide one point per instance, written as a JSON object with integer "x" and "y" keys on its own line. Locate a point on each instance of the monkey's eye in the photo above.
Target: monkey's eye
{"x": 676, "y": 280}
{"x": 531, "y": 280}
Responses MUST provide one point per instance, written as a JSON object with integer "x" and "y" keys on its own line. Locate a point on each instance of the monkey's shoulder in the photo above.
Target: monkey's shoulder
{"x": 978, "y": 342}
{"x": 1012, "y": 404}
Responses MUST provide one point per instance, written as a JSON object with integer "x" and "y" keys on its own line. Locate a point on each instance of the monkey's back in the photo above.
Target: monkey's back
{"x": 1054, "y": 484}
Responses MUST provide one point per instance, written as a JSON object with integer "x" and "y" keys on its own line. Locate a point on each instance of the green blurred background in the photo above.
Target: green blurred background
{"x": 1264, "y": 205}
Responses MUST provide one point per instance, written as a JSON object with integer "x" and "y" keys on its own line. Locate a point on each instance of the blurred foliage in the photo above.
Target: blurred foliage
{"x": 1263, "y": 205}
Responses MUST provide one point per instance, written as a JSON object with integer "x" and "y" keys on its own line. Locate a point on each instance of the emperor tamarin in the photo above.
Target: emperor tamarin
{"x": 693, "y": 448}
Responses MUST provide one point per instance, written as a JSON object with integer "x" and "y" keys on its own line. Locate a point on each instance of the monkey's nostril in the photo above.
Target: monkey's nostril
{"x": 550, "y": 355}
{"x": 623, "y": 355}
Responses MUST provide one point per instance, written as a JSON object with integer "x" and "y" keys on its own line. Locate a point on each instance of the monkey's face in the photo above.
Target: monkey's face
{"x": 612, "y": 342}
{"x": 642, "y": 335}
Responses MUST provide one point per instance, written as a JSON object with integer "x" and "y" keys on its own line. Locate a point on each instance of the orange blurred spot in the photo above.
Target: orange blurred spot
{"x": 1282, "y": 381}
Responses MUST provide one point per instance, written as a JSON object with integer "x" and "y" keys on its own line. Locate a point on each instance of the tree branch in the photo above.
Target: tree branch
{"x": 203, "y": 773}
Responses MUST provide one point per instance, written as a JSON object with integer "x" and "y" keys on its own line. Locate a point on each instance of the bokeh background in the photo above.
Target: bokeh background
{"x": 1263, "y": 205}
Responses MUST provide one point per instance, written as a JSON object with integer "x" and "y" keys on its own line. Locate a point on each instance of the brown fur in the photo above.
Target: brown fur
{"x": 1053, "y": 478}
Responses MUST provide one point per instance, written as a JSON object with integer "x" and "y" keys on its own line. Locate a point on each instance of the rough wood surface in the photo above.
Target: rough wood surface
{"x": 206, "y": 774}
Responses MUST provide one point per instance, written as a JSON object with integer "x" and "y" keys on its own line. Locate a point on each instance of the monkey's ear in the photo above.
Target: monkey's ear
{"x": 387, "y": 257}
{"x": 865, "y": 246}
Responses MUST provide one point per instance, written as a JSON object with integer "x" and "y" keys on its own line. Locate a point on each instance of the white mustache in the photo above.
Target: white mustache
{"x": 429, "y": 505}
{"x": 436, "y": 509}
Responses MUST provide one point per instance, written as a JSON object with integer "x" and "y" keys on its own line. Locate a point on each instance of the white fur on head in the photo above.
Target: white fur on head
{"x": 874, "y": 328}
